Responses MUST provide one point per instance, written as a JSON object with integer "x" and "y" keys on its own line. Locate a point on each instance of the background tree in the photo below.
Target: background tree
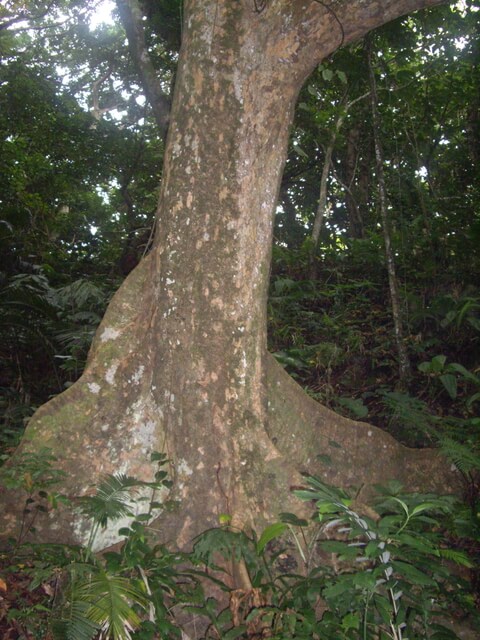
{"x": 335, "y": 336}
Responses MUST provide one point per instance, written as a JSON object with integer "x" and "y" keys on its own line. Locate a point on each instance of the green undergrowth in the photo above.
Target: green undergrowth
{"x": 400, "y": 567}
{"x": 335, "y": 336}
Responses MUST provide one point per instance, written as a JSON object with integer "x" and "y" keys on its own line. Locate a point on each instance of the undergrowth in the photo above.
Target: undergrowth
{"x": 394, "y": 568}
{"x": 335, "y": 336}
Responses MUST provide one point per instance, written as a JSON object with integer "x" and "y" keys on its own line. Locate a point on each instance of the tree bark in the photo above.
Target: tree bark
{"x": 179, "y": 363}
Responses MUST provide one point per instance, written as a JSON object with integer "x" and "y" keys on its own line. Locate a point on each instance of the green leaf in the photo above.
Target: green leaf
{"x": 438, "y": 363}
{"x": 412, "y": 574}
{"x": 110, "y": 599}
{"x": 418, "y": 543}
{"x": 327, "y": 507}
{"x": 292, "y": 519}
{"x": 274, "y": 530}
{"x": 336, "y": 546}
{"x": 463, "y": 456}
{"x": 327, "y": 74}
{"x": 224, "y": 519}
{"x": 450, "y": 383}
{"x": 112, "y": 500}
{"x": 143, "y": 517}
{"x": 157, "y": 456}
{"x": 472, "y": 399}
{"x": 402, "y": 504}
{"x": 372, "y": 549}
{"x": 74, "y": 623}
{"x": 231, "y": 634}
{"x": 384, "y": 607}
{"x": 439, "y": 632}
{"x": 338, "y": 589}
{"x": 364, "y": 580}
{"x": 351, "y": 621}
{"x": 355, "y": 406}
{"x": 468, "y": 375}
{"x": 425, "y": 506}
{"x": 340, "y": 548}
{"x": 305, "y": 494}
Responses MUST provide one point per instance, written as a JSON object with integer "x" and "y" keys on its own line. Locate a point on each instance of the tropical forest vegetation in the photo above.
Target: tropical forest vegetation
{"x": 373, "y": 308}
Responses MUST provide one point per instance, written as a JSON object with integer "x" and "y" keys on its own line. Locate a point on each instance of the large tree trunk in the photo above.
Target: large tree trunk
{"x": 179, "y": 363}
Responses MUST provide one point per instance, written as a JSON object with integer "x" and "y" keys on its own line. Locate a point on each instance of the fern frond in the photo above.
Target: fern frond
{"x": 459, "y": 557}
{"x": 80, "y": 293}
{"x": 462, "y": 456}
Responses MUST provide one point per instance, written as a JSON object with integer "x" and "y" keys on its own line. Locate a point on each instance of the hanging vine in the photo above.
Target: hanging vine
{"x": 337, "y": 19}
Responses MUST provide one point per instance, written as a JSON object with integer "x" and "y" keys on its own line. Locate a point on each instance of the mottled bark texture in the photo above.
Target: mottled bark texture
{"x": 179, "y": 363}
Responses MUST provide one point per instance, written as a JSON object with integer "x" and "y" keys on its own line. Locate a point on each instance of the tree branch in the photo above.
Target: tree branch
{"x": 97, "y": 111}
{"x": 24, "y": 15}
{"x": 323, "y": 27}
{"x": 132, "y": 19}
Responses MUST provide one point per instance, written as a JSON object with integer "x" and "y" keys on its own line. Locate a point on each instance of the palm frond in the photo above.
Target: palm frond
{"x": 74, "y": 623}
{"x": 111, "y": 599}
{"x": 112, "y": 500}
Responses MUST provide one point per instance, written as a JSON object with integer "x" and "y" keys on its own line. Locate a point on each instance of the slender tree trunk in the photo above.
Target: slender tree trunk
{"x": 292, "y": 231}
{"x": 472, "y": 129}
{"x": 403, "y": 360}
{"x": 322, "y": 197}
{"x": 179, "y": 363}
{"x": 355, "y": 196}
